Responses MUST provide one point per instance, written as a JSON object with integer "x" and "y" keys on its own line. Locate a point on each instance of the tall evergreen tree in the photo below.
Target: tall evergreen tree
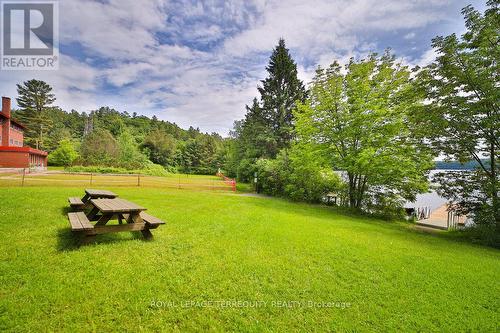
{"x": 257, "y": 136}
{"x": 279, "y": 93}
{"x": 268, "y": 124}
{"x": 35, "y": 98}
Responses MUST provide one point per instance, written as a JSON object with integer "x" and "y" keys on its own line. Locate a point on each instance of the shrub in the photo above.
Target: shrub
{"x": 297, "y": 176}
{"x": 272, "y": 176}
{"x": 246, "y": 169}
{"x": 130, "y": 157}
{"x": 160, "y": 147}
{"x": 385, "y": 204}
{"x": 99, "y": 148}
{"x": 64, "y": 155}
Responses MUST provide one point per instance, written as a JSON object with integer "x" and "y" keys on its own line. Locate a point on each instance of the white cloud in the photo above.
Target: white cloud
{"x": 410, "y": 35}
{"x": 146, "y": 56}
{"x": 427, "y": 57}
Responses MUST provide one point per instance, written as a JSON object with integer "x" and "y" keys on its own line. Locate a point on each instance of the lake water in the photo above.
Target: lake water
{"x": 431, "y": 200}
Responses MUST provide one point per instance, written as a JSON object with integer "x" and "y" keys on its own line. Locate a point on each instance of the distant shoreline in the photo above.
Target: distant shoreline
{"x": 455, "y": 165}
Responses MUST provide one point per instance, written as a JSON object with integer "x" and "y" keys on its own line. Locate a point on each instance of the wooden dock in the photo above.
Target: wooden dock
{"x": 440, "y": 219}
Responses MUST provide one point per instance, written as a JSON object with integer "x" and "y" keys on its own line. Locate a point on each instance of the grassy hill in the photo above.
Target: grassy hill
{"x": 230, "y": 262}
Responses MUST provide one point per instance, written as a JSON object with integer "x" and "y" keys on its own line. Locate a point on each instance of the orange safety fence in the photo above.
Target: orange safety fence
{"x": 230, "y": 181}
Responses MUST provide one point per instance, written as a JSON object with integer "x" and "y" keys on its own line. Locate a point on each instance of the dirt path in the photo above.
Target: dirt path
{"x": 256, "y": 195}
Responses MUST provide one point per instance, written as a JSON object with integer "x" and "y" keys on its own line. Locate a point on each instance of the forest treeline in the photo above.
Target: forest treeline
{"x": 109, "y": 138}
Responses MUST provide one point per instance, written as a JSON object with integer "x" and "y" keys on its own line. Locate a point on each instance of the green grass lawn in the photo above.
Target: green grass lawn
{"x": 300, "y": 267}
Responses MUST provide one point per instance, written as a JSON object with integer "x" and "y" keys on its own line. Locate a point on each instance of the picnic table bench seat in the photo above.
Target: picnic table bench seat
{"x": 76, "y": 203}
{"x": 152, "y": 221}
{"x": 79, "y": 221}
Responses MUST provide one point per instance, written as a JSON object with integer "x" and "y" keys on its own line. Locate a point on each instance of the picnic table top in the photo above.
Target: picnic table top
{"x": 116, "y": 206}
{"x": 100, "y": 193}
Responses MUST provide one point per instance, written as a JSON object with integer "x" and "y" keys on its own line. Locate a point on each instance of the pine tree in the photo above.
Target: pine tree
{"x": 258, "y": 139}
{"x": 279, "y": 93}
{"x": 34, "y": 99}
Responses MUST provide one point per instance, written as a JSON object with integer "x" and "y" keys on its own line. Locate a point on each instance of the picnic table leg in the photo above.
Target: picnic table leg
{"x": 93, "y": 213}
{"x": 85, "y": 198}
{"x": 133, "y": 218}
{"x": 120, "y": 217}
{"x": 147, "y": 234}
{"x": 104, "y": 219}
{"x": 136, "y": 218}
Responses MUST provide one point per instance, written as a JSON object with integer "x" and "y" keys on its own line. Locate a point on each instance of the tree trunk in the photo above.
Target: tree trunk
{"x": 352, "y": 190}
{"x": 494, "y": 187}
{"x": 357, "y": 187}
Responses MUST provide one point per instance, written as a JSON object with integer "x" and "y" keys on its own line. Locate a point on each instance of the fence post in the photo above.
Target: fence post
{"x": 138, "y": 179}
{"x": 179, "y": 183}
{"x": 24, "y": 174}
{"x": 91, "y": 178}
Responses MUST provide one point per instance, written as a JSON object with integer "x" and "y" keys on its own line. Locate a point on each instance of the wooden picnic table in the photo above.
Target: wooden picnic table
{"x": 104, "y": 210}
{"x": 80, "y": 204}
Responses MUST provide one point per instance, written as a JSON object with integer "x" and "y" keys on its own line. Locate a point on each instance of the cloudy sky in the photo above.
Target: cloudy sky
{"x": 199, "y": 62}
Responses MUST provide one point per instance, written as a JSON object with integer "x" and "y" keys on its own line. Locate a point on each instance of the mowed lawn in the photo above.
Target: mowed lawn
{"x": 231, "y": 262}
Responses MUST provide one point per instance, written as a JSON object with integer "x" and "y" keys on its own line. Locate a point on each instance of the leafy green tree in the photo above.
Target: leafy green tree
{"x": 201, "y": 154}
{"x": 310, "y": 178}
{"x": 297, "y": 174}
{"x": 462, "y": 118}
{"x": 358, "y": 121}
{"x": 100, "y": 148}
{"x": 160, "y": 147}
{"x": 64, "y": 155}
{"x": 34, "y": 101}
{"x": 109, "y": 119}
{"x": 130, "y": 156}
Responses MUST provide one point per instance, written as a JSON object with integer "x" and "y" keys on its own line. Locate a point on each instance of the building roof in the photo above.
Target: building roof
{"x": 2, "y": 115}
{"x": 30, "y": 150}
{"x": 17, "y": 123}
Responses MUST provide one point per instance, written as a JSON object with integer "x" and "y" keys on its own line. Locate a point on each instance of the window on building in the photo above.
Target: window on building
{"x": 16, "y": 128}
{"x": 11, "y": 141}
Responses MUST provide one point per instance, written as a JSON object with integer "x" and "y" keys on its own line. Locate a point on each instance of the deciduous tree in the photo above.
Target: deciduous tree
{"x": 462, "y": 118}
{"x": 358, "y": 120}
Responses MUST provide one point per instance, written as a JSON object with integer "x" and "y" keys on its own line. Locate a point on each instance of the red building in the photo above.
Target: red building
{"x": 13, "y": 154}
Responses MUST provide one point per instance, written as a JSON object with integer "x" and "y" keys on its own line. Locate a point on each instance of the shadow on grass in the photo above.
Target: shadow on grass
{"x": 69, "y": 241}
